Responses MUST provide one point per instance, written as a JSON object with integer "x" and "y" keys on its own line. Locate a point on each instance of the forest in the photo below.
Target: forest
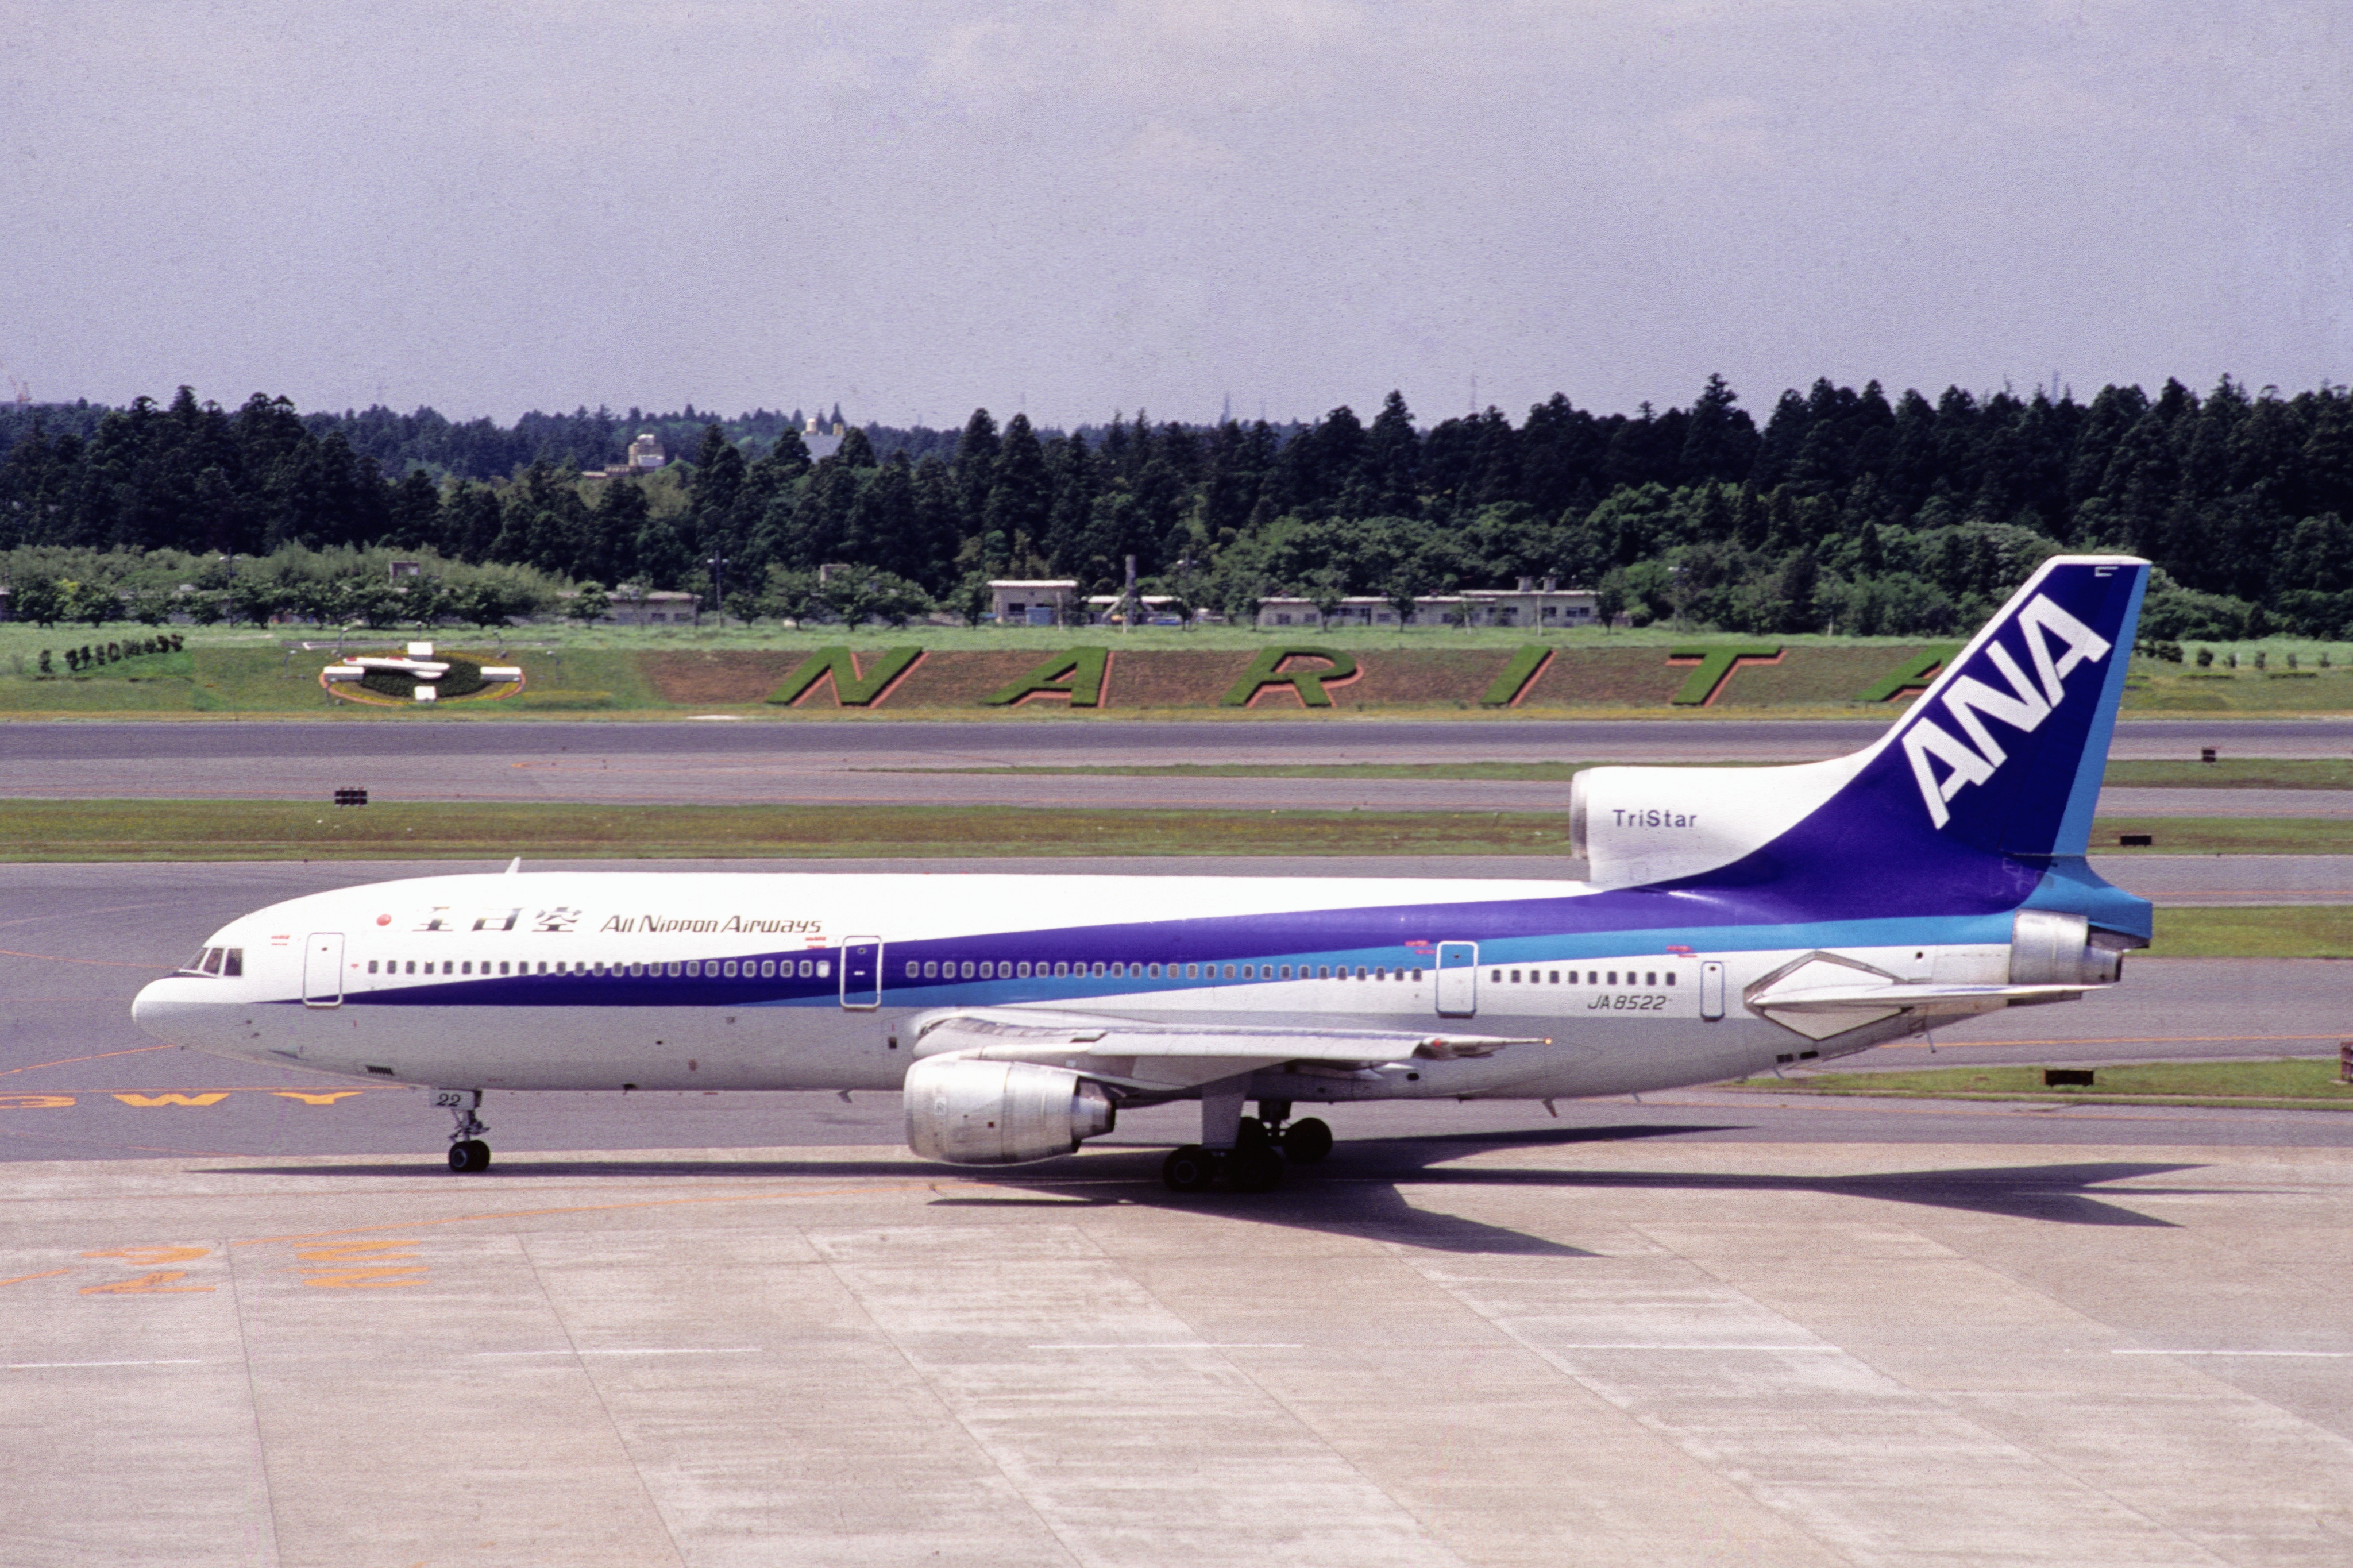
{"x": 1845, "y": 512}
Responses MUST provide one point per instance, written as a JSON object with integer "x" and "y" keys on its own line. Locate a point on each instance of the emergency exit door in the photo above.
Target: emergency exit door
{"x": 1711, "y": 990}
{"x": 322, "y": 970}
{"x": 1458, "y": 979}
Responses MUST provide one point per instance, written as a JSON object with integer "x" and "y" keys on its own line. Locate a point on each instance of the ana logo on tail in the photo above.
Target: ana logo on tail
{"x": 1971, "y": 701}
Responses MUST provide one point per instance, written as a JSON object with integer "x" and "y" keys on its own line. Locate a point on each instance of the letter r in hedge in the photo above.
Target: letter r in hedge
{"x": 1267, "y": 670}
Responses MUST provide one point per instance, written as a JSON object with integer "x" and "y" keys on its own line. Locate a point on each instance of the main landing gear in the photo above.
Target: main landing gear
{"x": 467, "y": 1153}
{"x": 1254, "y": 1148}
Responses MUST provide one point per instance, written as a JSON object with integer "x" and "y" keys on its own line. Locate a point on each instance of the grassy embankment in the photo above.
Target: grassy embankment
{"x": 2285, "y": 1084}
{"x": 256, "y": 829}
{"x": 654, "y": 672}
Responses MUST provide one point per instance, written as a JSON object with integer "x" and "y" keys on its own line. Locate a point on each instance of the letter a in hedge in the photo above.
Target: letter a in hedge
{"x": 1076, "y": 673}
{"x": 1267, "y": 670}
{"x": 849, "y": 689}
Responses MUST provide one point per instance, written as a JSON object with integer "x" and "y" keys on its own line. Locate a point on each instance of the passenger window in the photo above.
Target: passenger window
{"x": 1229, "y": 972}
{"x": 1515, "y": 977}
{"x": 1651, "y": 978}
{"x": 1614, "y": 977}
{"x": 1099, "y": 969}
{"x": 502, "y": 966}
{"x": 412, "y": 966}
{"x": 1497, "y": 976}
{"x": 1322, "y": 972}
{"x": 1360, "y": 971}
{"x": 371, "y": 966}
{"x": 1192, "y": 971}
{"x": 914, "y": 969}
{"x": 1670, "y": 977}
{"x": 805, "y": 967}
{"x": 967, "y": 969}
{"x": 730, "y": 969}
{"x": 1061, "y": 968}
{"x": 932, "y": 971}
{"x": 767, "y": 969}
{"x": 1417, "y": 977}
{"x": 1025, "y": 969}
{"x": 1152, "y": 971}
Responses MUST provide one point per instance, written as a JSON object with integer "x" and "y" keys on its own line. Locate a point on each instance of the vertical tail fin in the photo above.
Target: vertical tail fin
{"x": 1988, "y": 779}
{"x": 2006, "y": 751}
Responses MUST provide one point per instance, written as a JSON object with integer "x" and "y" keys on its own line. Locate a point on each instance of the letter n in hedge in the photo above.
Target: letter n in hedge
{"x": 1267, "y": 670}
{"x": 850, "y": 689}
{"x": 1076, "y": 673}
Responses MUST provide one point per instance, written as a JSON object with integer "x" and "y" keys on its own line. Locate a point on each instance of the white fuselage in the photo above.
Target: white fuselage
{"x": 730, "y": 981}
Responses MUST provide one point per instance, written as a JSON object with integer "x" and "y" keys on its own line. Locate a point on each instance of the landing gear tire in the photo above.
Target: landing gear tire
{"x": 469, "y": 1155}
{"x": 1255, "y": 1170}
{"x": 1190, "y": 1169}
{"x": 1307, "y": 1142}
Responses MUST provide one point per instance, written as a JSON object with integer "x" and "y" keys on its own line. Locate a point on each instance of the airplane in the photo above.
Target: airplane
{"x": 1735, "y": 920}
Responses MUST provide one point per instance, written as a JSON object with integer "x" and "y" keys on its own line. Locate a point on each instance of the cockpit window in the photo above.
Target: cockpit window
{"x": 212, "y": 962}
{"x": 232, "y": 962}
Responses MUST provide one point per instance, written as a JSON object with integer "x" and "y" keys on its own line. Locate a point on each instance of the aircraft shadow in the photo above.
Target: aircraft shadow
{"x": 1356, "y": 1192}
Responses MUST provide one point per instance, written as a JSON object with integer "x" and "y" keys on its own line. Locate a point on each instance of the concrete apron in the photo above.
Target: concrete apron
{"x": 1538, "y": 1354}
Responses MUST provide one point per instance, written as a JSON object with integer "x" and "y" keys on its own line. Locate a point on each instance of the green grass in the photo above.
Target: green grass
{"x": 280, "y": 830}
{"x": 2301, "y": 1085}
{"x": 2235, "y": 773}
{"x": 2283, "y": 773}
{"x": 2226, "y": 835}
{"x": 2277, "y": 930}
{"x": 277, "y": 830}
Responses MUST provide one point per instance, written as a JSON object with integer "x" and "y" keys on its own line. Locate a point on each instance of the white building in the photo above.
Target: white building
{"x": 1529, "y": 606}
{"x": 1032, "y": 601}
{"x": 633, "y": 607}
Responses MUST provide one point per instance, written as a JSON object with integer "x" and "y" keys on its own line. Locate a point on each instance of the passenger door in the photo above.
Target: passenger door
{"x": 322, "y": 970}
{"x": 1458, "y": 979}
{"x": 861, "y": 973}
{"x": 1711, "y": 990}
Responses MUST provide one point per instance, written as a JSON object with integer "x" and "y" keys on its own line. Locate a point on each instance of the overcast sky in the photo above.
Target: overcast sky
{"x": 917, "y": 208}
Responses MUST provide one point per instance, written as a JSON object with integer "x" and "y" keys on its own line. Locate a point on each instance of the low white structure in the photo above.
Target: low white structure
{"x": 1530, "y": 606}
{"x": 628, "y": 606}
{"x": 1032, "y": 601}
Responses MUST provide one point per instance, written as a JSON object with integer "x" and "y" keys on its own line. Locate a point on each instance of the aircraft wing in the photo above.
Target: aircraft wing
{"x": 1165, "y": 1056}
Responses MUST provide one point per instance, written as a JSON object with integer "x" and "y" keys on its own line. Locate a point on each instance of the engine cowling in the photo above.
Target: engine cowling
{"x": 968, "y": 1111}
{"x": 2050, "y": 948}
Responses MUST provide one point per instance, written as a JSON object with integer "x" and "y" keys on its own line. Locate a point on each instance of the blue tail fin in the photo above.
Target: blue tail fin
{"x": 2006, "y": 751}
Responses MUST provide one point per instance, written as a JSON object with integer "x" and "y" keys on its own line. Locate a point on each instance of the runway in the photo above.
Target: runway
{"x": 881, "y": 762}
{"x": 79, "y": 940}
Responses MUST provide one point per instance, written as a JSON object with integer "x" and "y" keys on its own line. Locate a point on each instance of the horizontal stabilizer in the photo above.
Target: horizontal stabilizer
{"x": 1817, "y": 1012}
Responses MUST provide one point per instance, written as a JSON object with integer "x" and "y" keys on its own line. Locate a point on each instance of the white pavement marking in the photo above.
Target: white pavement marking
{"x": 734, "y": 1349}
{"x": 2317, "y": 1356}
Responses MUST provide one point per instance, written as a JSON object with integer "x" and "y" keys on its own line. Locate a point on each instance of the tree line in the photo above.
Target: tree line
{"x": 1846, "y": 510}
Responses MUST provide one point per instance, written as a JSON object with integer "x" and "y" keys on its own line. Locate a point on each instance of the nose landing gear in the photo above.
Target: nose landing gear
{"x": 467, "y": 1153}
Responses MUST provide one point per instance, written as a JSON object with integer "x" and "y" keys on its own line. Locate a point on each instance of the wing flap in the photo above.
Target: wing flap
{"x": 1136, "y": 1050}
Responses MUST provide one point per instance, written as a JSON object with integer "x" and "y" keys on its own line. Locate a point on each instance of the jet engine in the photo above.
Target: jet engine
{"x": 2048, "y": 947}
{"x": 969, "y": 1111}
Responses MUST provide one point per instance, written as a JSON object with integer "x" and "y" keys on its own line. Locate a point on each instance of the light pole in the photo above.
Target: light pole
{"x": 718, "y": 564}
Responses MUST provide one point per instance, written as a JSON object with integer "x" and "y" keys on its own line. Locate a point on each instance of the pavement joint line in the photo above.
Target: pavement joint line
{"x": 731, "y": 1350}
{"x": 585, "y": 1208}
{"x": 1201, "y": 1345}
{"x": 49, "y": 1365}
{"x": 1775, "y": 1349}
{"x": 2320, "y": 1355}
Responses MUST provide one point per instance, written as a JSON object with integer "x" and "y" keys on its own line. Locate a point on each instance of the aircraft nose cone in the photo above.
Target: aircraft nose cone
{"x": 151, "y": 1008}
